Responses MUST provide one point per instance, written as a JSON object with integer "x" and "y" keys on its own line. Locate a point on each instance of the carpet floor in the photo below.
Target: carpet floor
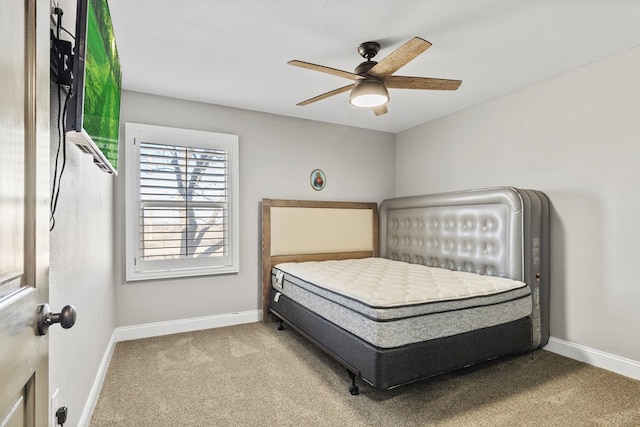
{"x": 254, "y": 375}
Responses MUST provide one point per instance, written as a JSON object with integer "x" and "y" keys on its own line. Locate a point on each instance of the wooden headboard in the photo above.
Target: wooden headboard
{"x": 303, "y": 230}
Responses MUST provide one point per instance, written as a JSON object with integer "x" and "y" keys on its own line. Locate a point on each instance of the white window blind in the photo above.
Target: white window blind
{"x": 184, "y": 211}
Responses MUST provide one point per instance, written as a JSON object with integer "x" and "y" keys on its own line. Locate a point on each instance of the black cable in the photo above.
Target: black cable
{"x": 67, "y": 31}
{"x": 52, "y": 221}
{"x": 62, "y": 137}
{"x": 55, "y": 169}
{"x": 62, "y": 146}
{"x": 58, "y": 11}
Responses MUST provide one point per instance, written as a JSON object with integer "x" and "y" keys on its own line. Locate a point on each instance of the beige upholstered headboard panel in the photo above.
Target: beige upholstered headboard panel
{"x": 301, "y": 230}
{"x": 304, "y": 230}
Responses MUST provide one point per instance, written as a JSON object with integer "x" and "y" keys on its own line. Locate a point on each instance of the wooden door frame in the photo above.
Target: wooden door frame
{"x": 38, "y": 141}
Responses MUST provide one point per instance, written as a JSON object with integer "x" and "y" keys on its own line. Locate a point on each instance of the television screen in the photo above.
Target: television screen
{"x": 93, "y": 115}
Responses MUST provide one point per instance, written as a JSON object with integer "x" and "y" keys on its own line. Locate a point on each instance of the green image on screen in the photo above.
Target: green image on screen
{"x": 103, "y": 81}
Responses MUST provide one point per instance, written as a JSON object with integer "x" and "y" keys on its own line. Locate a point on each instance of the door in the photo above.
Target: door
{"x": 24, "y": 182}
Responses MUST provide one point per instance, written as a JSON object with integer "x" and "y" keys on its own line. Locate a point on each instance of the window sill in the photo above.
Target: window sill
{"x": 135, "y": 276}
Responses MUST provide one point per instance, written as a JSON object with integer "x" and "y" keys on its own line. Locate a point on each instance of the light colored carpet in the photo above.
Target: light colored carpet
{"x": 254, "y": 375}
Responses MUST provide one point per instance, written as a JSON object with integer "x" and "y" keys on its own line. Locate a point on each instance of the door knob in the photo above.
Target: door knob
{"x": 66, "y": 318}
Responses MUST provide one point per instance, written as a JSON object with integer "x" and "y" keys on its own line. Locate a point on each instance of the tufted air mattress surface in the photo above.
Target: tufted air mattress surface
{"x": 392, "y": 303}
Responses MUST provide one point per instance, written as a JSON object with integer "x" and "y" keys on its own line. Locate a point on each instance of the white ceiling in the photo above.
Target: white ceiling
{"x": 235, "y": 52}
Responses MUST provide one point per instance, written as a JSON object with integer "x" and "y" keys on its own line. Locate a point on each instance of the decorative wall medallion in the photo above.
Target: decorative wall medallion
{"x": 318, "y": 180}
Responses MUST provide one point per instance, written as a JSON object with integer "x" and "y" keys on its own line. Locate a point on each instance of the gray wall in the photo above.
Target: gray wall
{"x": 82, "y": 260}
{"x": 81, "y": 273}
{"x": 575, "y": 137}
{"x": 277, "y": 155}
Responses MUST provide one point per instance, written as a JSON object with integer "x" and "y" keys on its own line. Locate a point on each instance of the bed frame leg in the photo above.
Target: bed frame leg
{"x": 281, "y": 326}
{"x": 353, "y": 388}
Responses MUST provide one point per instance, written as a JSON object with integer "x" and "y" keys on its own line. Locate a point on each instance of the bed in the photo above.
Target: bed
{"x": 421, "y": 286}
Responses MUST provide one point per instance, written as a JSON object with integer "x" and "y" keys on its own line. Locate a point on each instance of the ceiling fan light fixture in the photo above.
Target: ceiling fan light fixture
{"x": 369, "y": 93}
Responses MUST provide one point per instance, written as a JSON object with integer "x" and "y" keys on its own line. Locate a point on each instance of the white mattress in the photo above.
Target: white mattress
{"x": 391, "y": 303}
{"x": 380, "y": 282}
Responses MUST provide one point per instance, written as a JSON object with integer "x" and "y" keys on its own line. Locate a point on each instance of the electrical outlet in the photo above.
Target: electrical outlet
{"x": 53, "y": 407}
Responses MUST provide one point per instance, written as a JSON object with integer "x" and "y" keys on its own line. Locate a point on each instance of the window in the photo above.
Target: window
{"x": 181, "y": 202}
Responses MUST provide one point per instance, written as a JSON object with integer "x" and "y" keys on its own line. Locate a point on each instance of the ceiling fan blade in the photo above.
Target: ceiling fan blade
{"x": 399, "y": 57}
{"x": 380, "y": 110}
{"x": 327, "y": 95}
{"x": 405, "y": 82}
{"x": 323, "y": 69}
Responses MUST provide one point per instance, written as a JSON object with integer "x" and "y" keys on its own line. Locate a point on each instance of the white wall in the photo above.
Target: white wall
{"x": 81, "y": 273}
{"x": 577, "y": 138}
{"x": 277, "y": 155}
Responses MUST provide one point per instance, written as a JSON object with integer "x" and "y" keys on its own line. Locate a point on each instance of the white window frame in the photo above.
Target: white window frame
{"x": 137, "y": 269}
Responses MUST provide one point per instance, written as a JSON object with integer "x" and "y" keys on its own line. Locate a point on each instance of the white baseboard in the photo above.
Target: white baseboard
{"x": 148, "y": 330}
{"x": 94, "y": 393}
{"x": 157, "y": 329}
{"x": 620, "y": 365}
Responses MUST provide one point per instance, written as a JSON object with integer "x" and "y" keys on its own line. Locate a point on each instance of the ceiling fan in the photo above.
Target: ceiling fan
{"x": 372, "y": 79}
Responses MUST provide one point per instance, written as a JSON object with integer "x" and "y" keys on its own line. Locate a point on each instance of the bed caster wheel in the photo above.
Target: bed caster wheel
{"x": 281, "y": 326}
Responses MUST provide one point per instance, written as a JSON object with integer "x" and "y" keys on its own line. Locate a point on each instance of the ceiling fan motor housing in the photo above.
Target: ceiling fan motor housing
{"x": 369, "y": 49}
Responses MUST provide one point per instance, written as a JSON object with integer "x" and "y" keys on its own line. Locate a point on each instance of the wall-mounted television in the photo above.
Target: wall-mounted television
{"x": 93, "y": 109}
